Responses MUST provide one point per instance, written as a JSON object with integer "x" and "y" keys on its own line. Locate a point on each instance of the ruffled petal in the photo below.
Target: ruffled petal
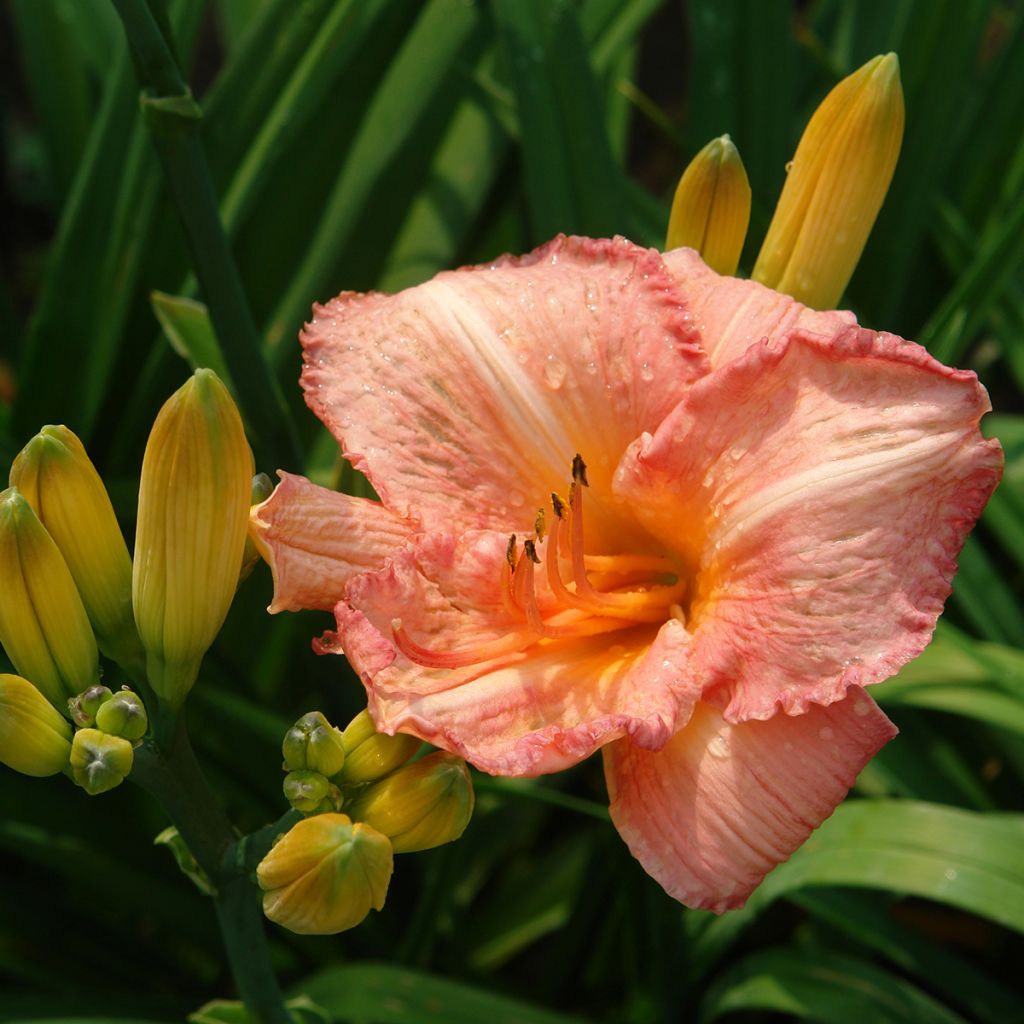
{"x": 539, "y": 710}
{"x": 731, "y": 314}
{"x": 715, "y": 810}
{"x": 820, "y": 491}
{"x": 464, "y": 399}
{"x": 315, "y": 540}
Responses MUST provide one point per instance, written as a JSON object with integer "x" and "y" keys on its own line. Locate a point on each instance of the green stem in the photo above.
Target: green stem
{"x": 171, "y": 774}
{"x": 174, "y": 118}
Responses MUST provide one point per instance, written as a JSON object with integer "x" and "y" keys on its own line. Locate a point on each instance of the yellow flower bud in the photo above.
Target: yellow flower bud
{"x": 306, "y": 791}
{"x": 100, "y": 762}
{"x": 835, "y": 187}
{"x": 83, "y": 708}
{"x": 423, "y": 805}
{"x": 324, "y": 875}
{"x": 313, "y": 743}
{"x": 43, "y": 625}
{"x": 370, "y": 755}
{"x": 123, "y": 715}
{"x": 59, "y": 481}
{"x": 193, "y": 512}
{"x": 34, "y": 738}
{"x": 711, "y": 209}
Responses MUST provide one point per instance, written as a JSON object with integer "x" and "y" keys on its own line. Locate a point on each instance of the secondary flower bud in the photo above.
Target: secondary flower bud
{"x": 123, "y": 715}
{"x": 324, "y": 875}
{"x": 370, "y": 755}
{"x": 835, "y": 187}
{"x": 423, "y": 805}
{"x": 59, "y": 481}
{"x": 43, "y": 625}
{"x": 34, "y": 738}
{"x": 306, "y": 791}
{"x": 711, "y": 208}
{"x": 100, "y": 762}
{"x": 83, "y": 708}
{"x": 193, "y": 510}
{"x": 313, "y": 743}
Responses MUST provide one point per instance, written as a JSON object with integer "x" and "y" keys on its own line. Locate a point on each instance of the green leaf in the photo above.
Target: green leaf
{"x": 369, "y": 993}
{"x": 821, "y": 986}
{"x": 186, "y": 323}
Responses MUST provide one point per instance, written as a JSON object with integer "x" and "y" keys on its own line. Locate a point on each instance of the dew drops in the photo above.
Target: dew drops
{"x": 554, "y": 372}
{"x": 826, "y": 733}
{"x": 647, "y": 372}
{"x": 950, "y": 874}
{"x": 555, "y": 303}
{"x": 861, "y": 707}
{"x": 522, "y": 357}
{"x": 719, "y": 747}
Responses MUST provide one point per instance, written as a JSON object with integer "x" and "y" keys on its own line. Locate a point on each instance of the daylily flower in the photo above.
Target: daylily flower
{"x": 751, "y": 511}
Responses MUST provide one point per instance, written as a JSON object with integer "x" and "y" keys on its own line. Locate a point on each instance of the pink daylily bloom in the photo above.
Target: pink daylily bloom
{"x": 752, "y": 512}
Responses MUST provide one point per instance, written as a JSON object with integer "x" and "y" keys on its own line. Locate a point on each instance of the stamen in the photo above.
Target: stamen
{"x": 511, "y": 643}
{"x": 538, "y": 524}
{"x": 579, "y": 470}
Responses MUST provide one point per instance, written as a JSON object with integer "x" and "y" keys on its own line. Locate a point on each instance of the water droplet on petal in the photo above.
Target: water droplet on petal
{"x": 554, "y": 372}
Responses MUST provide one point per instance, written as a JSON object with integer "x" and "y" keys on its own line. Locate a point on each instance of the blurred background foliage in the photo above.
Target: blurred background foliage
{"x": 362, "y": 144}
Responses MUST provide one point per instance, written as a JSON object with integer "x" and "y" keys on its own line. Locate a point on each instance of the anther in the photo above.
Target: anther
{"x": 579, "y": 470}
{"x": 558, "y": 505}
{"x": 539, "y": 524}
{"x": 510, "y": 551}
{"x": 531, "y": 551}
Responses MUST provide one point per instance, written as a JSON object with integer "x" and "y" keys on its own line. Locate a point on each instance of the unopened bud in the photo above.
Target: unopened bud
{"x": 423, "y": 805}
{"x": 59, "y": 481}
{"x": 123, "y": 715}
{"x": 306, "y": 791}
{"x": 835, "y": 187}
{"x": 83, "y": 708}
{"x": 711, "y": 209}
{"x": 313, "y": 743}
{"x": 99, "y": 762}
{"x": 34, "y": 738}
{"x": 193, "y": 512}
{"x": 370, "y": 755}
{"x": 262, "y": 486}
{"x": 43, "y": 625}
{"x": 324, "y": 875}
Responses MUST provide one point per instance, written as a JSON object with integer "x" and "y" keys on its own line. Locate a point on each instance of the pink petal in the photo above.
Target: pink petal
{"x": 315, "y": 540}
{"x": 715, "y": 810}
{"x": 539, "y": 711}
{"x": 464, "y": 399}
{"x": 820, "y": 491}
{"x": 731, "y": 314}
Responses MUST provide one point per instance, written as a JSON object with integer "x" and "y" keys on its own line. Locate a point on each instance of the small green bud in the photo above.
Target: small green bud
{"x": 313, "y": 743}
{"x": 370, "y": 755}
{"x": 324, "y": 875}
{"x": 99, "y": 762}
{"x": 34, "y": 737}
{"x": 123, "y": 715}
{"x": 305, "y": 790}
{"x": 83, "y": 708}
{"x": 423, "y": 805}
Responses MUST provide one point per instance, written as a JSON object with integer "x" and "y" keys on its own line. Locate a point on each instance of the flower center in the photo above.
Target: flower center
{"x": 587, "y": 594}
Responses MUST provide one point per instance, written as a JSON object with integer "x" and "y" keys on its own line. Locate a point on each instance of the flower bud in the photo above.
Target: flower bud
{"x": 306, "y": 791}
{"x": 262, "y": 486}
{"x": 711, "y": 209}
{"x": 313, "y": 743}
{"x": 324, "y": 875}
{"x": 123, "y": 715}
{"x": 193, "y": 511}
{"x": 43, "y": 625}
{"x": 835, "y": 187}
{"x": 83, "y": 708}
{"x": 99, "y": 762}
{"x": 370, "y": 755}
{"x": 34, "y": 737}
{"x": 423, "y": 805}
{"x": 59, "y": 481}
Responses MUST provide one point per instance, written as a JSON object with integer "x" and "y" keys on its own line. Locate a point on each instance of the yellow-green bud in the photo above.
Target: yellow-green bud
{"x": 193, "y": 512}
{"x": 34, "y": 738}
{"x": 313, "y": 743}
{"x": 43, "y": 625}
{"x": 324, "y": 875}
{"x": 99, "y": 762}
{"x": 711, "y": 208}
{"x": 123, "y": 715}
{"x": 423, "y": 805}
{"x": 835, "y": 186}
{"x": 370, "y": 755}
{"x": 262, "y": 486}
{"x": 305, "y": 790}
{"x": 83, "y": 708}
{"x": 59, "y": 481}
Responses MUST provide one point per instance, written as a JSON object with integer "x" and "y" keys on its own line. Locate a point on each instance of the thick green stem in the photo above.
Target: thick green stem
{"x": 168, "y": 770}
{"x": 174, "y": 117}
